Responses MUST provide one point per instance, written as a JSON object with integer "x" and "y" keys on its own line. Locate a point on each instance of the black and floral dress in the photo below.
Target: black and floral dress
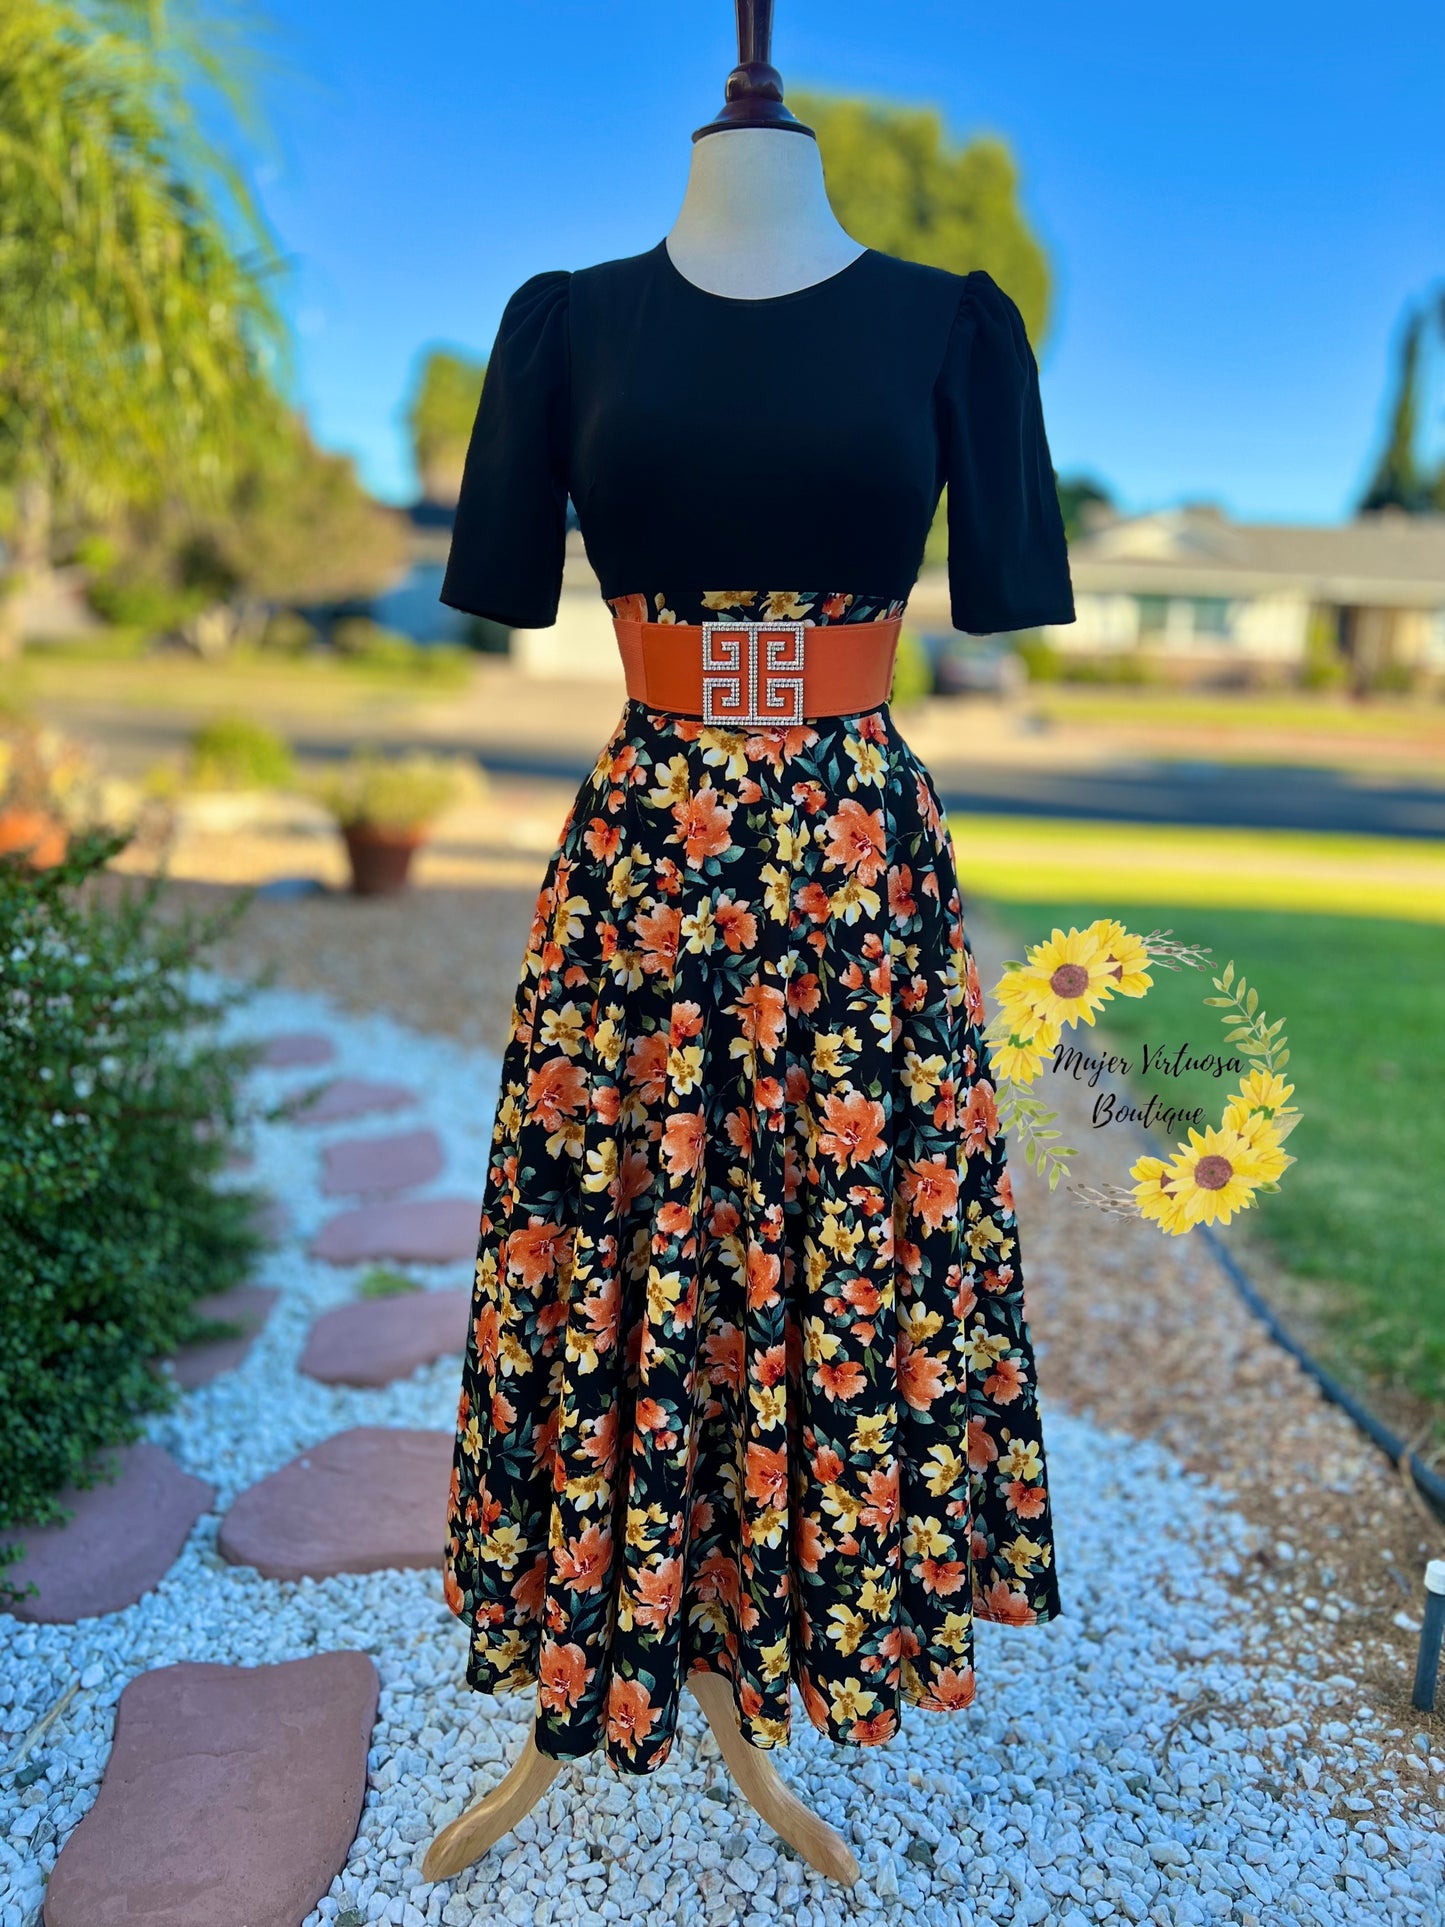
{"x": 749, "y": 1385}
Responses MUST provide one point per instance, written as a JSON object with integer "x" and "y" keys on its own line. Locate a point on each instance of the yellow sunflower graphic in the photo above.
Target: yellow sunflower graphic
{"x": 1066, "y": 979}
{"x": 1158, "y": 1194}
{"x": 1217, "y": 1174}
{"x": 1020, "y": 1056}
{"x": 1263, "y": 1135}
{"x": 1263, "y": 1093}
{"x": 1127, "y": 957}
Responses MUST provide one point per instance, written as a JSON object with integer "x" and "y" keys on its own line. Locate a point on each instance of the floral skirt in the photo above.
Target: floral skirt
{"x": 748, "y": 1386}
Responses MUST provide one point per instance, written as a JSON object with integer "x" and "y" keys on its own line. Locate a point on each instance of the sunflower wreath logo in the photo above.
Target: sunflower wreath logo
{"x": 1066, "y": 981}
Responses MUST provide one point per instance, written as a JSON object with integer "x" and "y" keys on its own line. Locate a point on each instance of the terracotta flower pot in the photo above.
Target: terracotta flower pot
{"x": 380, "y": 859}
{"x": 34, "y": 835}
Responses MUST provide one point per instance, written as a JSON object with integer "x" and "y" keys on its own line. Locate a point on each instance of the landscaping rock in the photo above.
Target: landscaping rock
{"x": 297, "y": 1047}
{"x": 124, "y": 1538}
{"x": 360, "y": 1166}
{"x": 232, "y": 1793}
{"x": 422, "y": 1231}
{"x": 272, "y": 1219}
{"x": 364, "y": 1500}
{"x": 377, "y": 1340}
{"x": 349, "y": 1097}
{"x": 250, "y": 1305}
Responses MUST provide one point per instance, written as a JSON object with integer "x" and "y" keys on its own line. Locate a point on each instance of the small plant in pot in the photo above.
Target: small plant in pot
{"x": 385, "y": 807}
{"x": 48, "y": 789}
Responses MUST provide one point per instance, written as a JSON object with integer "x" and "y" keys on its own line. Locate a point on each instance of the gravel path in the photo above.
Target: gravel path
{"x": 1217, "y": 1729}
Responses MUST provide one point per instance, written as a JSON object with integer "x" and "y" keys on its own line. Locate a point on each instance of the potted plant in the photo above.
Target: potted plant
{"x": 385, "y": 807}
{"x": 47, "y": 788}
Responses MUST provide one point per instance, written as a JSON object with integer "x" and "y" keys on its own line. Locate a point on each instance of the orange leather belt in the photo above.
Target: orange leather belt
{"x": 758, "y": 675}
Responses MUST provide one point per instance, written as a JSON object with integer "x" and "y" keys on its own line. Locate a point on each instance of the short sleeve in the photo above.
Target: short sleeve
{"x": 1008, "y": 563}
{"x": 510, "y": 532}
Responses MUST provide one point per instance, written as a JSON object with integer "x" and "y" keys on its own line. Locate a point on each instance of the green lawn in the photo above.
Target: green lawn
{"x": 1363, "y": 998}
{"x": 1286, "y": 713}
{"x": 1123, "y": 864}
{"x": 106, "y": 672}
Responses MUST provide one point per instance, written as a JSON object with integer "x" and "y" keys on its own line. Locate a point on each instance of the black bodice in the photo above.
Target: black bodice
{"x": 713, "y": 443}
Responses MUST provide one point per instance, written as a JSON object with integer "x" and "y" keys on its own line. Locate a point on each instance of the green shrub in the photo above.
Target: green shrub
{"x": 389, "y": 792}
{"x": 1324, "y": 666}
{"x": 1128, "y": 668}
{"x": 152, "y": 605}
{"x": 1043, "y": 662}
{"x": 1394, "y": 679}
{"x": 118, "y": 1106}
{"x": 368, "y": 646}
{"x": 237, "y": 753}
{"x": 359, "y": 636}
{"x": 288, "y": 634}
{"x": 912, "y": 671}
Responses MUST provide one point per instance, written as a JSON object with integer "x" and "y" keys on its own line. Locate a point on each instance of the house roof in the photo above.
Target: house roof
{"x": 1389, "y": 559}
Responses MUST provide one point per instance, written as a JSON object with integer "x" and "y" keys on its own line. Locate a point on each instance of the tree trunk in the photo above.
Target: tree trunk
{"x": 28, "y": 562}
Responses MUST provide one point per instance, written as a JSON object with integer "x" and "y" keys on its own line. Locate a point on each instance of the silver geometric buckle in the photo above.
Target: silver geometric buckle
{"x": 752, "y": 673}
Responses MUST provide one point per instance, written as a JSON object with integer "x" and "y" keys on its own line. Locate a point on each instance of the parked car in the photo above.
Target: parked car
{"x": 975, "y": 665}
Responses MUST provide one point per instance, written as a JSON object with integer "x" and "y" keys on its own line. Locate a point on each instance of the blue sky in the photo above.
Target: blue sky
{"x": 1238, "y": 201}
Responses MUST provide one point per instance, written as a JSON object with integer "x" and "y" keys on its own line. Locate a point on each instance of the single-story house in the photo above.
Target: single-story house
{"x": 1190, "y": 585}
{"x": 1209, "y": 598}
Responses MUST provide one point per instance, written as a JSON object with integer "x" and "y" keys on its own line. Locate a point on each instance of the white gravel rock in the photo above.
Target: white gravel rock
{"x": 1065, "y": 1794}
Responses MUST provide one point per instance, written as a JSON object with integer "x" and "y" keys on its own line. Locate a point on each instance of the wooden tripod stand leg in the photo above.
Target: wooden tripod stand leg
{"x": 760, "y": 1785}
{"x": 465, "y": 1839}
{"x": 468, "y": 1837}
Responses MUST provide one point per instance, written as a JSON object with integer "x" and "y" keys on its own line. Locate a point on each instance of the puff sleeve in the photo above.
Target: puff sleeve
{"x": 1008, "y": 564}
{"x": 509, "y": 536}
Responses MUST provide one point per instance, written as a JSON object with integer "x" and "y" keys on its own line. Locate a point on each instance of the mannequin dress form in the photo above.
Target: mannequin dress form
{"x": 755, "y": 222}
{"x": 726, "y": 1420}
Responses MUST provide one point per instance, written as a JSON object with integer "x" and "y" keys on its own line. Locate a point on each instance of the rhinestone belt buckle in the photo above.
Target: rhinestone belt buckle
{"x": 752, "y": 673}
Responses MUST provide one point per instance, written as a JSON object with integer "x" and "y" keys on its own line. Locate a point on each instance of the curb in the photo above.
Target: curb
{"x": 1429, "y": 1482}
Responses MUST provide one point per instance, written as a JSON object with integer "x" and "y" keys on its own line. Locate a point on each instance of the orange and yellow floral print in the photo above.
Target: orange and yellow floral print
{"x": 749, "y": 1386}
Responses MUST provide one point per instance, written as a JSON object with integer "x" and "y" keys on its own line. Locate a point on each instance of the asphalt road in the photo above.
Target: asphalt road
{"x": 1239, "y": 796}
{"x": 1134, "y": 790}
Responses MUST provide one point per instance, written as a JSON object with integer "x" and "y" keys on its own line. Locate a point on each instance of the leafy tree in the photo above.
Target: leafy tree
{"x": 295, "y": 526}
{"x": 439, "y": 416}
{"x": 1401, "y": 479}
{"x": 1397, "y": 481}
{"x": 136, "y": 315}
{"x": 1077, "y": 494}
{"x": 897, "y": 183}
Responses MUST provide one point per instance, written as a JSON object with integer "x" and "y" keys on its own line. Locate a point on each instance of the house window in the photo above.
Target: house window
{"x": 1183, "y": 618}
{"x": 1211, "y": 615}
{"x": 1153, "y": 613}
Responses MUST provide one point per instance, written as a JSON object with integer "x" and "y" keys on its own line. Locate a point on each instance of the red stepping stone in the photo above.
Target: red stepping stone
{"x": 366, "y": 1500}
{"x": 199, "y": 1363}
{"x": 379, "y": 1339}
{"x": 360, "y": 1165}
{"x": 123, "y": 1539}
{"x": 419, "y": 1231}
{"x": 231, "y": 1793}
{"x": 297, "y": 1047}
{"x": 348, "y": 1097}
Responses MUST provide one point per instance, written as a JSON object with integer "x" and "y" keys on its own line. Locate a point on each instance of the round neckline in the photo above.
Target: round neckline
{"x": 761, "y": 300}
